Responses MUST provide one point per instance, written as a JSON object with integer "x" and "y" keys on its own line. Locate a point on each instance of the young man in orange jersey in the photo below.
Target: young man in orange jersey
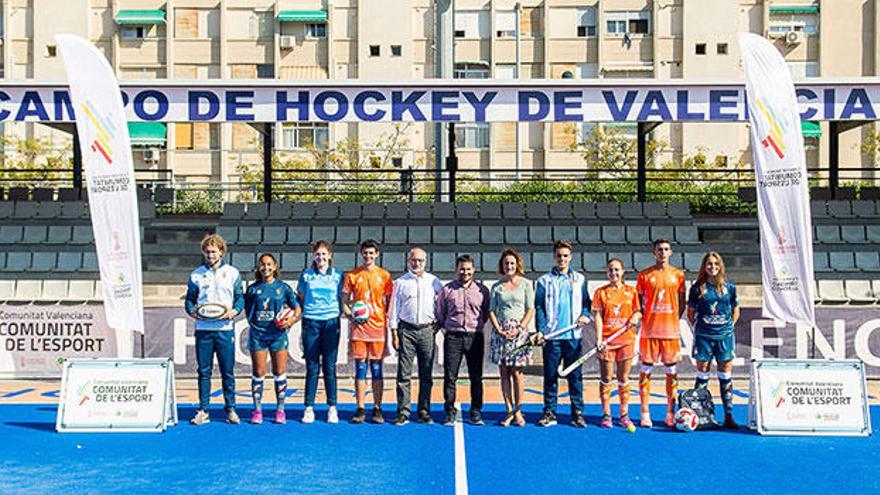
{"x": 367, "y": 285}
{"x": 661, "y": 295}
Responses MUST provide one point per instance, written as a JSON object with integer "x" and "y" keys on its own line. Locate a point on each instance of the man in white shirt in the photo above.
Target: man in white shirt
{"x": 411, "y": 319}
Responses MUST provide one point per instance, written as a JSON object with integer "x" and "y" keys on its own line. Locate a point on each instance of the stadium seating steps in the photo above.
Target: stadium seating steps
{"x": 47, "y": 252}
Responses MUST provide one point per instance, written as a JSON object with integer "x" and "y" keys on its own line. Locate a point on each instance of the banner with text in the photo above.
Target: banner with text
{"x": 107, "y": 162}
{"x": 809, "y": 397}
{"x": 781, "y": 178}
{"x": 442, "y": 101}
{"x": 33, "y": 338}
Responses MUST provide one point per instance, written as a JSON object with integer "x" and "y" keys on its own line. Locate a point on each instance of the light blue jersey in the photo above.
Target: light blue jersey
{"x": 319, "y": 293}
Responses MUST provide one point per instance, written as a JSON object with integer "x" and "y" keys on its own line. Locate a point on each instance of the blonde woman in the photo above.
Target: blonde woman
{"x": 511, "y": 309}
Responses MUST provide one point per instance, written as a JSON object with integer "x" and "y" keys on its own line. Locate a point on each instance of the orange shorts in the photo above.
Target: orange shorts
{"x": 656, "y": 351}
{"x": 359, "y": 349}
{"x": 619, "y": 353}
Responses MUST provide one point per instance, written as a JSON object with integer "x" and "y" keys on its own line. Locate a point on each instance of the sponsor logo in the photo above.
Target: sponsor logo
{"x": 778, "y": 128}
{"x": 84, "y": 392}
{"x": 105, "y": 131}
{"x": 778, "y": 394}
{"x": 783, "y": 246}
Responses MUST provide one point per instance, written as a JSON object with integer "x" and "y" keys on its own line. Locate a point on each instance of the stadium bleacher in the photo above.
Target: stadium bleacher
{"x": 48, "y": 254}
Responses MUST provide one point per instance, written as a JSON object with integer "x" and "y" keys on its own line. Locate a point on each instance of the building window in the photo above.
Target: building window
{"x": 505, "y": 24}
{"x": 783, "y": 23}
{"x": 316, "y": 30}
{"x": 471, "y": 71}
{"x": 721, "y": 48}
{"x": 305, "y": 135}
{"x": 133, "y": 32}
{"x": 471, "y": 24}
{"x": 700, "y": 49}
{"x": 265, "y": 71}
{"x": 628, "y": 22}
{"x": 505, "y": 71}
{"x": 803, "y": 70}
{"x": 396, "y": 50}
{"x": 586, "y": 22}
{"x": 472, "y": 135}
{"x": 374, "y": 50}
{"x": 51, "y": 51}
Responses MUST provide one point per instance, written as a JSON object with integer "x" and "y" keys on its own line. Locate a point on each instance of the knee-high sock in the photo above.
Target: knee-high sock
{"x": 645, "y": 386}
{"x": 671, "y": 387}
{"x": 280, "y": 390}
{"x": 257, "y": 392}
{"x": 702, "y": 380}
{"x": 726, "y": 383}
{"x": 605, "y": 393}
{"x": 623, "y": 393}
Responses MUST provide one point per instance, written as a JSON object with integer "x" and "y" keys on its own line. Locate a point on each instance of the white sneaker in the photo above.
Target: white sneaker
{"x": 200, "y": 418}
{"x": 232, "y": 417}
{"x": 332, "y": 415}
{"x": 309, "y": 416}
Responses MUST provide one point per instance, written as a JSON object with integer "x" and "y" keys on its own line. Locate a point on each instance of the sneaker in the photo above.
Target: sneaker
{"x": 378, "y": 417}
{"x": 257, "y": 417}
{"x": 309, "y": 415}
{"x": 627, "y": 423}
{"x": 578, "y": 421}
{"x": 606, "y": 421}
{"x": 547, "y": 420}
{"x": 449, "y": 419}
{"x": 360, "y": 415}
{"x": 332, "y": 415}
{"x": 646, "y": 421}
{"x": 280, "y": 417}
{"x": 401, "y": 419}
{"x": 425, "y": 418}
{"x": 232, "y": 417}
{"x": 670, "y": 419}
{"x": 200, "y": 418}
{"x": 730, "y": 423}
{"x": 476, "y": 418}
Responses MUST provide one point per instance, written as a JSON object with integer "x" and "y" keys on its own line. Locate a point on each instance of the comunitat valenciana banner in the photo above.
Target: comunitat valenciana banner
{"x": 781, "y": 176}
{"x": 104, "y": 140}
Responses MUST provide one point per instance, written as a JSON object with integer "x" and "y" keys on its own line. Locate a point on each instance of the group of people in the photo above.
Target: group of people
{"x": 408, "y": 312}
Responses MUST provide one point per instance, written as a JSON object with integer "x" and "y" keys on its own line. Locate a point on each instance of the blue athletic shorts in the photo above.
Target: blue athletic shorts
{"x": 721, "y": 349}
{"x": 260, "y": 341}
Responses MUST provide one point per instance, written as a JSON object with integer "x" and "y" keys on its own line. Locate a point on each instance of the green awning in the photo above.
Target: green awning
{"x": 795, "y": 9}
{"x": 140, "y": 17}
{"x": 302, "y": 16}
{"x": 810, "y": 129}
{"x": 147, "y": 133}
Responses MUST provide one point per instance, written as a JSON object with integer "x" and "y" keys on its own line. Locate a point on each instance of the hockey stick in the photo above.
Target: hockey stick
{"x": 550, "y": 335}
{"x": 587, "y": 355}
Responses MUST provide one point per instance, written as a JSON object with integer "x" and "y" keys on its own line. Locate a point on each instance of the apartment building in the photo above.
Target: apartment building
{"x": 394, "y": 40}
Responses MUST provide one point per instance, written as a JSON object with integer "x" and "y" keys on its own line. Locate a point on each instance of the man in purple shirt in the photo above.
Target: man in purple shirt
{"x": 461, "y": 310}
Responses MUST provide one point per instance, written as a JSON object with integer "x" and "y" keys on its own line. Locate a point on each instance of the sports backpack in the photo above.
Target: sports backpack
{"x": 700, "y": 401}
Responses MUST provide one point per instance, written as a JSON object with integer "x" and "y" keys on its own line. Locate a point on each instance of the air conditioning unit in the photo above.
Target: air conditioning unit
{"x": 151, "y": 156}
{"x": 794, "y": 38}
{"x": 288, "y": 41}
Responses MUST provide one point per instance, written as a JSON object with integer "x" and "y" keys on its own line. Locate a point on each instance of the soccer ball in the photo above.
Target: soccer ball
{"x": 360, "y": 312}
{"x": 686, "y": 420}
{"x": 283, "y": 315}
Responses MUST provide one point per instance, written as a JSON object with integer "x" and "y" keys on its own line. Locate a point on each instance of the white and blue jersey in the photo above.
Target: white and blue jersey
{"x": 218, "y": 286}
{"x": 713, "y": 311}
{"x": 263, "y": 301}
{"x": 320, "y": 293}
{"x": 560, "y": 299}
